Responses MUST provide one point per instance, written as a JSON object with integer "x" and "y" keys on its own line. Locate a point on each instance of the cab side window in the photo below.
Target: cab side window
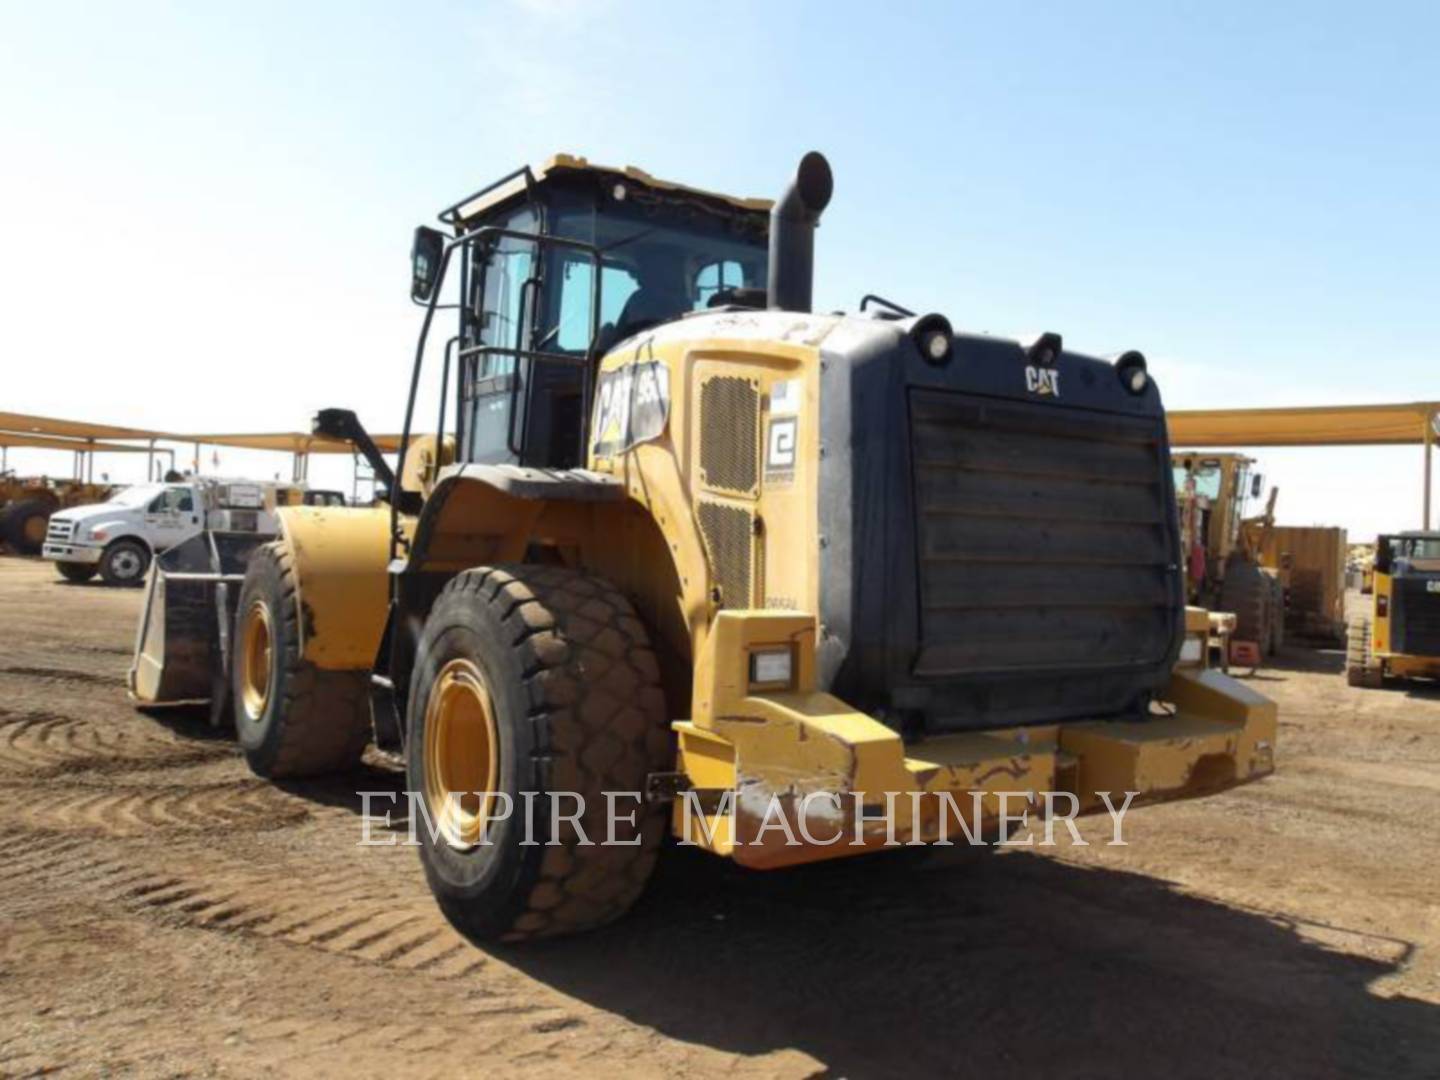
{"x": 157, "y": 504}
{"x": 714, "y": 277}
{"x": 572, "y": 329}
{"x": 185, "y": 501}
{"x": 502, "y": 311}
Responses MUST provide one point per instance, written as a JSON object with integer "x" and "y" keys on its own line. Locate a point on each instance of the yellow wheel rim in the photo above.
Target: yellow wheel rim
{"x": 35, "y": 528}
{"x": 255, "y": 659}
{"x": 461, "y": 753}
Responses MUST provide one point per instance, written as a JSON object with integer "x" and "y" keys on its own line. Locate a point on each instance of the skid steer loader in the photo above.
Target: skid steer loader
{"x": 754, "y": 571}
{"x": 1397, "y": 634}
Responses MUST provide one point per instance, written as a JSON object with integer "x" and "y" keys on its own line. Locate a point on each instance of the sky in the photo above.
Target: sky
{"x": 206, "y": 210}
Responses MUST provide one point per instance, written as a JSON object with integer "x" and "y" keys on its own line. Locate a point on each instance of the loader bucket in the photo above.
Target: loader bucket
{"x": 182, "y": 644}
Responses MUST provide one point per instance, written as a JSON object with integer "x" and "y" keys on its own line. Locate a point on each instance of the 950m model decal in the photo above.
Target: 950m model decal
{"x": 632, "y": 406}
{"x": 1043, "y": 381}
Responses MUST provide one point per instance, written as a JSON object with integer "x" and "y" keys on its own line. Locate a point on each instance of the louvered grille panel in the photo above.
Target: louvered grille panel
{"x": 1415, "y": 618}
{"x": 1043, "y": 538}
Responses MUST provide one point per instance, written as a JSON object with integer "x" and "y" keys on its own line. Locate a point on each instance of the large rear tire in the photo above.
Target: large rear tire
{"x": 1277, "y": 613}
{"x": 24, "y": 524}
{"x": 292, "y": 719}
{"x": 1360, "y": 666}
{"x": 1246, "y": 592}
{"x": 535, "y": 679}
{"x": 78, "y": 572}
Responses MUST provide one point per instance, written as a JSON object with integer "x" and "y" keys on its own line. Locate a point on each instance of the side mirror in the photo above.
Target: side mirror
{"x": 1257, "y": 485}
{"x": 425, "y": 254}
{"x": 1383, "y": 556}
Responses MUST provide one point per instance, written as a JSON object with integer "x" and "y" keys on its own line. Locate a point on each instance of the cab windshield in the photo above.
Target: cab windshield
{"x": 652, "y": 271}
{"x": 1208, "y": 477}
{"x": 136, "y": 496}
{"x": 1416, "y": 547}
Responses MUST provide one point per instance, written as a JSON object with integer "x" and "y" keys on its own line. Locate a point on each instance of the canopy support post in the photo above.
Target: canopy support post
{"x": 1429, "y": 448}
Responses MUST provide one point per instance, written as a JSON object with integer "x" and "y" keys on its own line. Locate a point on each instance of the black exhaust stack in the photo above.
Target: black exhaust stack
{"x": 792, "y": 234}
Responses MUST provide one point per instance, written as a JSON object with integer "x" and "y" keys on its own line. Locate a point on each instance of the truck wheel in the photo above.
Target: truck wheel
{"x": 78, "y": 572}
{"x": 25, "y": 522}
{"x": 292, "y": 719}
{"x": 535, "y": 679}
{"x": 1360, "y": 666}
{"x": 125, "y": 563}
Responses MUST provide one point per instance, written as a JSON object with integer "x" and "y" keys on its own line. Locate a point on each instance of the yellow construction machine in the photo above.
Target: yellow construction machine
{"x": 26, "y": 504}
{"x": 1398, "y": 632}
{"x": 772, "y": 578}
{"x": 1225, "y": 551}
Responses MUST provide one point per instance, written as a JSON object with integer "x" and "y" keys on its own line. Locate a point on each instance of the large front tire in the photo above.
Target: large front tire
{"x": 535, "y": 679}
{"x": 78, "y": 572}
{"x": 292, "y": 719}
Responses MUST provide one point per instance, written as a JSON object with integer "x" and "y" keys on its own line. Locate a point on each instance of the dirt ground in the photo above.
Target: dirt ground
{"x": 164, "y": 912}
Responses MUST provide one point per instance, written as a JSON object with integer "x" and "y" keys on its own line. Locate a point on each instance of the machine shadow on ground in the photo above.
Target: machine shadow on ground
{"x": 187, "y": 722}
{"x": 981, "y": 963}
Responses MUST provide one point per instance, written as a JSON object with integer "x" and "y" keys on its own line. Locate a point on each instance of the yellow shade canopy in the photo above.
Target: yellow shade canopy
{"x": 1324, "y": 425}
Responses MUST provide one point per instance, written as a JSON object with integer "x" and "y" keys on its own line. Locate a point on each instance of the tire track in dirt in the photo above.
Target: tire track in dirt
{"x": 342, "y": 914}
{"x": 40, "y": 743}
{"x": 127, "y": 810}
{"x": 62, "y": 675}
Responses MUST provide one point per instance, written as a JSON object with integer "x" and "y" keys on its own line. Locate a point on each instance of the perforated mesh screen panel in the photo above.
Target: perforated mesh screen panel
{"x": 729, "y": 534}
{"x": 729, "y": 434}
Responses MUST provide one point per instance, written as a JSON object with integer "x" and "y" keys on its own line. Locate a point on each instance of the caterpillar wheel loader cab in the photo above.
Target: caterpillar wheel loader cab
{"x": 1398, "y": 632}
{"x": 702, "y": 560}
{"x": 1224, "y": 549}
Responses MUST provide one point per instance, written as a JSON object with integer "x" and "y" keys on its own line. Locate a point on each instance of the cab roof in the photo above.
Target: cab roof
{"x": 507, "y": 187}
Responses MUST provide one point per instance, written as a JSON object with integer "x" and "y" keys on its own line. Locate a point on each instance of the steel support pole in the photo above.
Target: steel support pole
{"x": 1429, "y": 453}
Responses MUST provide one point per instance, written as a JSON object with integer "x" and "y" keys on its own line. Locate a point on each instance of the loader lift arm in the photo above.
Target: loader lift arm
{"x": 344, "y": 424}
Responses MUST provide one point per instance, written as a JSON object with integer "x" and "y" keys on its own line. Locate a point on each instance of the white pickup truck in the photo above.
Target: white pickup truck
{"x": 117, "y": 539}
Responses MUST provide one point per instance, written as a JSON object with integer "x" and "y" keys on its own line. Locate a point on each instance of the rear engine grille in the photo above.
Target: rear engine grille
{"x": 1044, "y": 538}
{"x": 1415, "y": 618}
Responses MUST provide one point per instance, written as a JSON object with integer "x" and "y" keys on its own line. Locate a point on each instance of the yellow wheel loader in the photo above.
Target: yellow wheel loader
{"x": 682, "y": 556}
{"x": 1224, "y": 550}
{"x": 1398, "y": 633}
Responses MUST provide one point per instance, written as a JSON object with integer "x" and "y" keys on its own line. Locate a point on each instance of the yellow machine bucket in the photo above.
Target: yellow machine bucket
{"x": 806, "y": 769}
{"x": 182, "y": 642}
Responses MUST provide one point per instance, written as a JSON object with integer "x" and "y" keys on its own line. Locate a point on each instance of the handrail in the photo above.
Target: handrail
{"x": 479, "y": 238}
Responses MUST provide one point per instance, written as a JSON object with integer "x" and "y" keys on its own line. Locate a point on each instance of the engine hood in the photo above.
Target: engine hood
{"x": 91, "y": 516}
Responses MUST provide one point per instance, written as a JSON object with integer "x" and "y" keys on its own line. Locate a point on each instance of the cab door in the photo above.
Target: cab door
{"x": 502, "y": 307}
{"x": 173, "y": 516}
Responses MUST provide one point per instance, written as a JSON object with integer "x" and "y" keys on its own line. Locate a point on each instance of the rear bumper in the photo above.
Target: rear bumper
{"x": 77, "y": 553}
{"x": 805, "y": 768}
{"x": 1411, "y": 667}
